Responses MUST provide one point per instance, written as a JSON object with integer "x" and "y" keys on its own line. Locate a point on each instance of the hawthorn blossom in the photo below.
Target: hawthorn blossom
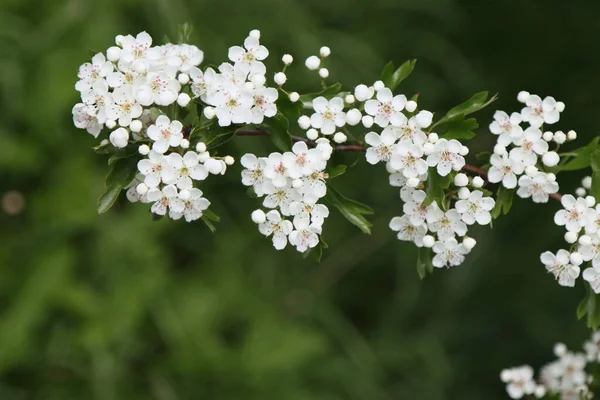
{"x": 592, "y": 275}
{"x": 83, "y": 120}
{"x": 559, "y": 265}
{"x": 233, "y": 106}
{"x": 156, "y": 169}
{"x": 186, "y": 168}
{"x": 160, "y": 88}
{"x": 90, "y": 73}
{"x": 446, "y": 156}
{"x": 315, "y": 213}
{"x": 529, "y": 146}
{"x": 135, "y": 49}
{"x": 250, "y": 56}
{"x": 407, "y": 231}
{"x": 313, "y": 187}
{"x": 507, "y": 127}
{"x": 278, "y": 227}
{"x": 475, "y": 208}
{"x": 305, "y": 236}
{"x": 387, "y": 108}
{"x": 165, "y": 133}
{"x": 96, "y": 100}
{"x": 418, "y": 212}
{"x": 282, "y": 198}
{"x": 448, "y": 253}
{"x": 575, "y": 213}
{"x": 591, "y": 251}
{"x": 328, "y": 114}
{"x": 194, "y": 206}
{"x": 264, "y": 104}
{"x": 165, "y": 199}
{"x": 253, "y": 175}
{"x": 409, "y": 131}
{"x": 519, "y": 381}
{"x": 123, "y": 107}
{"x": 505, "y": 170}
{"x": 407, "y": 159}
{"x": 204, "y": 84}
{"x": 538, "y": 112}
{"x": 301, "y": 161}
{"x": 537, "y": 186}
{"x": 382, "y": 147}
{"x": 448, "y": 225}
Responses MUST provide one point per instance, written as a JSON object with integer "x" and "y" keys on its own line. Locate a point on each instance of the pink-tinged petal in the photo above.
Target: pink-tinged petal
{"x": 568, "y": 201}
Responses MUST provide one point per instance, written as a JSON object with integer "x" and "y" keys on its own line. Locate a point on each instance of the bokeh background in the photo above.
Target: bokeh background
{"x": 121, "y": 307}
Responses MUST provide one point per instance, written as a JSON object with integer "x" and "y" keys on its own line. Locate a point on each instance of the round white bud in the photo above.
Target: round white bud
{"x": 428, "y": 148}
{"x": 560, "y": 349}
{"x": 229, "y": 160}
{"x": 184, "y": 144}
{"x": 297, "y": 183}
{"x": 304, "y": 122}
{"x": 214, "y": 166}
{"x": 461, "y": 180}
{"x": 585, "y": 240}
{"x": 294, "y": 97}
{"x": 570, "y": 237}
{"x": 119, "y": 39}
{"x": 587, "y": 182}
{"x": 136, "y": 125}
{"x": 323, "y": 73}
{"x": 209, "y": 112}
{"x": 113, "y": 53}
{"x": 363, "y": 93}
{"x": 464, "y": 151}
{"x": 548, "y": 136}
{"x": 367, "y": 121}
{"x": 433, "y": 137}
{"x": 531, "y": 170}
{"x": 478, "y": 182}
{"x": 469, "y": 243}
{"x": 540, "y": 391}
{"x": 141, "y": 188}
{"x": 249, "y": 86}
{"x": 576, "y": 258}
{"x": 254, "y": 33}
{"x": 140, "y": 66}
{"x": 204, "y": 157}
{"x": 378, "y": 85}
{"x": 424, "y": 118}
{"x": 523, "y": 96}
{"x": 339, "y": 137}
{"x": 325, "y": 51}
{"x": 506, "y": 375}
{"x": 144, "y": 150}
{"x": 119, "y": 138}
{"x": 201, "y": 147}
{"x": 312, "y": 134}
{"x": 287, "y": 59}
{"x": 551, "y": 177}
{"x": 560, "y": 106}
{"x": 500, "y": 150}
{"x": 560, "y": 137}
{"x": 258, "y": 80}
{"x": 110, "y": 123}
{"x": 590, "y": 201}
{"x": 410, "y": 106}
{"x": 571, "y": 135}
{"x": 183, "y": 78}
{"x": 144, "y": 97}
{"x": 550, "y": 159}
{"x": 184, "y": 194}
{"x": 183, "y": 99}
{"x": 280, "y": 78}
{"x": 412, "y": 182}
{"x": 580, "y": 192}
{"x": 428, "y": 241}
{"x": 312, "y": 63}
{"x": 463, "y": 193}
{"x": 353, "y": 117}
{"x": 258, "y": 216}
{"x": 349, "y": 99}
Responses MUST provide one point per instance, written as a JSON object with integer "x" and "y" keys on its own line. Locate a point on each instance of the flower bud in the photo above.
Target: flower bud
{"x": 428, "y": 241}
{"x": 412, "y": 182}
{"x": 461, "y": 180}
{"x": 550, "y": 159}
{"x": 540, "y": 391}
{"x": 229, "y": 160}
{"x": 363, "y": 93}
{"x": 312, "y": 134}
{"x": 433, "y": 137}
{"x": 280, "y": 78}
{"x": 560, "y": 349}
{"x": 349, "y": 99}
{"x": 551, "y": 177}
{"x": 353, "y": 117}
{"x": 590, "y": 201}
{"x": 324, "y": 73}
{"x": 580, "y": 192}
{"x": 144, "y": 150}
{"x": 214, "y": 166}
{"x": 571, "y": 135}
{"x": 478, "y": 182}
{"x": 258, "y": 80}
{"x": 531, "y": 170}
{"x": 500, "y": 150}
{"x": 464, "y": 193}
{"x": 367, "y": 121}
{"x": 136, "y": 125}
{"x": 469, "y": 243}
{"x": 548, "y": 136}
{"x": 324, "y": 51}
{"x": 585, "y": 240}
{"x": 141, "y": 189}
{"x": 119, "y": 138}
{"x": 339, "y": 137}
{"x": 304, "y": 122}
{"x": 428, "y": 148}
{"x": 522, "y": 96}
{"x": 560, "y": 106}
{"x": 424, "y": 118}
{"x": 576, "y": 258}
{"x": 184, "y": 144}
{"x": 560, "y": 137}
{"x": 378, "y": 86}
{"x": 204, "y": 157}
{"x": 464, "y": 151}
{"x": 287, "y": 59}
{"x": 312, "y": 63}
{"x": 294, "y": 97}
{"x": 587, "y": 182}
{"x": 183, "y": 78}
{"x": 110, "y": 123}
{"x": 183, "y": 99}
{"x": 570, "y": 237}
{"x": 113, "y": 53}
{"x": 209, "y": 112}
{"x": 258, "y": 216}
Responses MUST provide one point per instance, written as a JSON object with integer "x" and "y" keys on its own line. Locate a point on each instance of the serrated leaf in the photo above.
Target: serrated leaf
{"x": 336, "y": 171}
{"x": 460, "y": 128}
{"x": 583, "y": 158}
{"x": 329, "y": 92}
{"x": 475, "y": 103}
{"x": 278, "y": 127}
{"x": 352, "y": 210}
{"x": 435, "y": 187}
{"x": 392, "y": 78}
{"x": 504, "y": 200}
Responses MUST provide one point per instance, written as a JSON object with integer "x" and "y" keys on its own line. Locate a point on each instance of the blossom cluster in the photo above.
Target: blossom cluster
{"x": 292, "y": 184}
{"x": 568, "y": 377}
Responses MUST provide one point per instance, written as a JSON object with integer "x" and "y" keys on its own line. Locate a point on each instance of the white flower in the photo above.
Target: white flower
{"x": 475, "y": 208}
{"x": 313, "y": 187}
{"x": 591, "y": 251}
{"x": 156, "y": 169}
{"x": 520, "y": 381}
{"x": 407, "y": 158}
{"x": 302, "y": 161}
{"x": 190, "y": 56}
{"x": 592, "y": 275}
{"x": 165, "y": 133}
{"x": 418, "y": 212}
{"x": 119, "y": 138}
{"x": 125, "y": 75}
{"x": 160, "y": 88}
{"x": 407, "y": 231}
{"x": 279, "y": 228}
{"x": 410, "y": 131}
{"x": 593, "y": 224}
{"x": 574, "y": 216}
{"x": 264, "y": 104}
{"x": 446, "y": 156}
{"x": 305, "y": 236}
{"x": 165, "y": 199}
{"x": 83, "y": 120}
{"x": 253, "y": 175}
{"x": 123, "y": 106}
{"x": 89, "y": 73}
{"x": 504, "y": 170}
{"x": 530, "y": 144}
{"x": 328, "y": 114}
{"x": 382, "y": 147}
{"x": 537, "y": 186}
{"x": 506, "y": 127}
{"x": 186, "y": 168}
{"x": 282, "y": 198}
{"x": 448, "y": 253}
{"x": 204, "y": 84}
{"x": 539, "y": 112}
{"x": 276, "y": 171}
{"x": 592, "y": 346}
{"x": 387, "y": 108}
{"x": 249, "y": 59}
{"x": 233, "y": 106}
{"x": 97, "y": 99}
{"x": 193, "y": 206}
{"x": 314, "y": 213}
{"x": 559, "y": 265}
{"x": 448, "y": 225}
{"x": 135, "y": 48}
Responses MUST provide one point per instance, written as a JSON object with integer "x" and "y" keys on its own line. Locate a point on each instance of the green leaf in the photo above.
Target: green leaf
{"x": 435, "y": 187}
{"x": 504, "y": 200}
{"x": 583, "y": 158}
{"x": 590, "y": 306}
{"x": 475, "y": 103}
{"x": 108, "y": 198}
{"x": 595, "y": 164}
{"x": 121, "y": 173}
{"x": 278, "y": 127}
{"x": 292, "y": 111}
{"x": 123, "y": 153}
{"x": 336, "y": 171}
{"x": 461, "y": 128}
{"x": 208, "y": 217}
{"x": 105, "y": 148}
{"x": 484, "y": 157}
{"x": 392, "y": 78}
{"x": 184, "y": 33}
{"x": 352, "y": 210}
{"x": 328, "y": 93}
{"x": 424, "y": 262}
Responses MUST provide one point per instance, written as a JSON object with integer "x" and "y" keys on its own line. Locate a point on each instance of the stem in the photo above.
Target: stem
{"x": 360, "y": 147}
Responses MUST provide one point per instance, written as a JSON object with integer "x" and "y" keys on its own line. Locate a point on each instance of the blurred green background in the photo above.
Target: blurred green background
{"x": 120, "y": 307}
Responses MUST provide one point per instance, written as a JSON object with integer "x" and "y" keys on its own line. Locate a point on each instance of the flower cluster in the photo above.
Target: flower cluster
{"x": 568, "y": 377}
{"x": 291, "y": 183}
{"x": 522, "y": 153}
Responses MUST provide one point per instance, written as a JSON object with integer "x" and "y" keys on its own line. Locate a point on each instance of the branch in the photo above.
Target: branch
{"x": 359, "y": 147}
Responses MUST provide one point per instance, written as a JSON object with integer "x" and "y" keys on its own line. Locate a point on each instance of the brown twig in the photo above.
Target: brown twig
{"x": 360, "y": 147}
